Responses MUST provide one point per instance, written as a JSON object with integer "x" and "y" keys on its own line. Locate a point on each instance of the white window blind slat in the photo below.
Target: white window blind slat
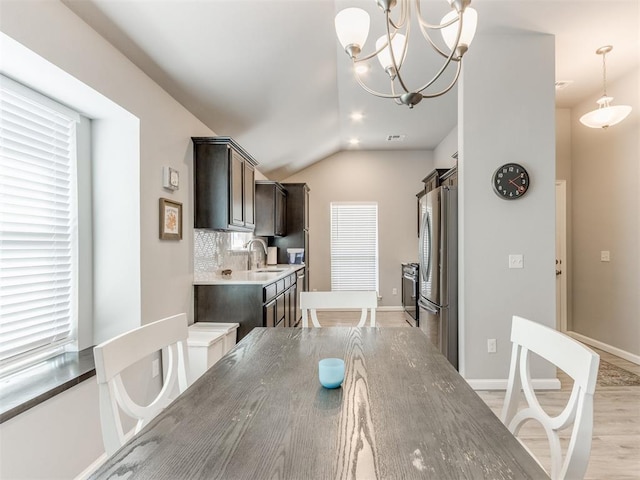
{"x": 38, "y": 281}
{"x": 354, "y": 246}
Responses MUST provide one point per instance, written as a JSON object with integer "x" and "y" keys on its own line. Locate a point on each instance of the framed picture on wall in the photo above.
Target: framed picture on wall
{"x": 170, "y": 220}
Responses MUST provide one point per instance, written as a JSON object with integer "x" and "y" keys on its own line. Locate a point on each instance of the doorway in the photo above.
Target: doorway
{"x": 561, "y": 255}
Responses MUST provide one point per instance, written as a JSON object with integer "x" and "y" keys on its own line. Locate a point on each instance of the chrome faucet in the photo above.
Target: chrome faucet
{"x": 248, "y": 246}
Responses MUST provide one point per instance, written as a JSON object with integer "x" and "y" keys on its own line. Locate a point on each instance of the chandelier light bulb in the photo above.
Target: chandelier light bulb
{"x": 352, "y": 28}
{"x": 384, "y": 57}
{"x": 469, "y": 24}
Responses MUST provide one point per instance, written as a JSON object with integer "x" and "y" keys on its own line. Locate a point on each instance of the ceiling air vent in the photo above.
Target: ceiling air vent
{"x": 562, "y": 84}
{"x": 396, "y": 138}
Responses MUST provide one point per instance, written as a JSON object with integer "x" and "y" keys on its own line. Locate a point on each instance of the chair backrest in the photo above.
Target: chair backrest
{"x": 310, "y": 302}
{"x": 577, "y": 361}
{"x": 113, "y": 356}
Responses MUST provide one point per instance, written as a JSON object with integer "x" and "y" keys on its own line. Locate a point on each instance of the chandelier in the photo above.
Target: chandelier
{"x": 457, "y": 29}
{"x": 605, "y": 115}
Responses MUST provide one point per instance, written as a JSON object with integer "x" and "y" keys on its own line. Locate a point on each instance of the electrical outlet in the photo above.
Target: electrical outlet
{"x": 491, "y": 345}
{"x": 394, "y": 291}
{"x": 605, "y": 256}
{"x": 155, "y": 368}
{"x": 516, "y": 261}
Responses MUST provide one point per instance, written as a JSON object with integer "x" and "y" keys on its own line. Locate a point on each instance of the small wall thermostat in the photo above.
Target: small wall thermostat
{"x": 170, "y": 178}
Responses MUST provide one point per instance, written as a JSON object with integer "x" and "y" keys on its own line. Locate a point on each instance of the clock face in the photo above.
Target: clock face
{"x": 510, "y": 181}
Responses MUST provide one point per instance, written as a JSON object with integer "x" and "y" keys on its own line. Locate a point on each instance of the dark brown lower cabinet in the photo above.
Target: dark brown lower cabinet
{"x": 271, "y": 305}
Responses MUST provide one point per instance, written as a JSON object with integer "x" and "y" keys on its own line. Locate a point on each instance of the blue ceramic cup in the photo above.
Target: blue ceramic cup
{"x": 331, "y": 372}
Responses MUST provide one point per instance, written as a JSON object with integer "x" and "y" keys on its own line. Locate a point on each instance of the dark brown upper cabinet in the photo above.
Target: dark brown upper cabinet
{"x": 224, "y": 191}
{"x": 271, "y": 213}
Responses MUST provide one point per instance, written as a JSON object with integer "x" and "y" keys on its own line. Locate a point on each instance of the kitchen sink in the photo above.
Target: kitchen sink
{"x": 269, "y": 270}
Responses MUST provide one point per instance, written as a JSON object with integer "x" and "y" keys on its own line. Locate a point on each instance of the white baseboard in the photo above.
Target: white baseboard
{"x": 501, "y": 383}
{"x": 378, "y": 309}
{"x": 607, "y": 348}
{"x": 390, "y": 309}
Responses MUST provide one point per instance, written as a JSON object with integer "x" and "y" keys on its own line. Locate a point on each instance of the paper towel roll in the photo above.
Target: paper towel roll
{"x": 272, "y": 255}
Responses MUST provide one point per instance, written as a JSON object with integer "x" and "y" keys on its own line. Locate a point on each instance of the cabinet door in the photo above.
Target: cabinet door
{"x": 249, "y": 195}
{"x": 236, "y": 195}
{"x": 452, "y": 181}
{"x": 293, "y": 313}
{"x": 306, "y": 209}
{"x": 270, "y": 314}
{"x": 281, "y": 215}
{"x": 281, "y": 301}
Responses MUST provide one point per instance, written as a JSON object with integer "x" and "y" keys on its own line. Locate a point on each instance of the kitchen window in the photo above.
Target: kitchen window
{"x": 354, "y": 246}
{"x": 38, "y": 227}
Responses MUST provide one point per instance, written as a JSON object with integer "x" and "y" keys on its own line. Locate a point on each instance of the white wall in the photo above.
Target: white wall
{"x": 442, "y": 155}
{"x": 506, "y": 114}
{"x": 606, "y": 216}
{"x": 54, "y": 440}
{"x": 138, "y": 277}
{"x": 391, "y": 178}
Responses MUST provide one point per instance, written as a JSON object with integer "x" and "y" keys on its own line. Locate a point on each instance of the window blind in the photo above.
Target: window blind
{"x": 354, "y": 246}
{"x": 37, "y": 223}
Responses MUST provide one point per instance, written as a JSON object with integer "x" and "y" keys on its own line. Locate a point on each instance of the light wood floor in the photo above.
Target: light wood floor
{"x": 615, "y": 451}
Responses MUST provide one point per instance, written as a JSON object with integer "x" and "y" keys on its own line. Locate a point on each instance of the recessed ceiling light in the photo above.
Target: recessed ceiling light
{"x": 361, "y": 68}
{"x": 357, "y": 116}
{"x": 354, "y": 141}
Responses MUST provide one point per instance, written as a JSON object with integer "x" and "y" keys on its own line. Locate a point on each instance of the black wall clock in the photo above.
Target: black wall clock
{"x": 510, "y": 181}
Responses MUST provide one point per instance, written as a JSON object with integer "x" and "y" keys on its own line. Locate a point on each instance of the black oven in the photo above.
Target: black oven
{"x": 410, "y": 292}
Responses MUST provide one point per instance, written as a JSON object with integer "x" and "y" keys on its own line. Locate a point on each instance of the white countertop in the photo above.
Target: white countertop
{"x": 258, "y": 276}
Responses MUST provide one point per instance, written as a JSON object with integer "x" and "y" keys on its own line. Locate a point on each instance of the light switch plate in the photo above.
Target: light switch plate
{"x": 516, "y": 261}
{"x": 605, "y": 256}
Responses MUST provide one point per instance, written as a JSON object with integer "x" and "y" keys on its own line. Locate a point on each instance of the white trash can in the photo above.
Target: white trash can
{"x": 230, "y": 330}
{"x": 205, "y": 349}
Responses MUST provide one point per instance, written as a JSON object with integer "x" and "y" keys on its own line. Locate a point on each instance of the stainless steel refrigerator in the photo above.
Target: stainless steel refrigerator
{"x": 438, "y": 259}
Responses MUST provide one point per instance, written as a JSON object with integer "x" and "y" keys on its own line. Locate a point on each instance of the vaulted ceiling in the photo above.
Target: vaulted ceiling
{"x": 271, "y": 74}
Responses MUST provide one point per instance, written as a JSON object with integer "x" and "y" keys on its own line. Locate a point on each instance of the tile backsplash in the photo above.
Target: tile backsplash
{"x": 215, "y": 251}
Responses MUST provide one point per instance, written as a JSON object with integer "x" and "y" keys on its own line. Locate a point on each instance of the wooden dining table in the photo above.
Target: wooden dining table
{"x": 402, "y": 412}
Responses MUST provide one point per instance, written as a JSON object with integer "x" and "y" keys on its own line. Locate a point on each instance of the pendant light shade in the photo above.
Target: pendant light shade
{"x": 397, "y": 44}
{"x": 352, "y": 27}
{"x": 605, "y": 115}
{"x": 469, "y": 24}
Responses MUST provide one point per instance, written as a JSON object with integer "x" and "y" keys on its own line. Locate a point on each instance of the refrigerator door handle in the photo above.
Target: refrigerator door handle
{"x": 425, "y": 256}
{"x": 428, "y": 307}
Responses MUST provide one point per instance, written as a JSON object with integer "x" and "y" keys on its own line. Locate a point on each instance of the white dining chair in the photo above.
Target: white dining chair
{"x": 577, "y": 361}
{"x": 310, "y": 302}
{"x": 112, "y": 357}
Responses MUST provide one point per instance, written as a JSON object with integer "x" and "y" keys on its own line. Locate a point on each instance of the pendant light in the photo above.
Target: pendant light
{"x": 605, "y": 115}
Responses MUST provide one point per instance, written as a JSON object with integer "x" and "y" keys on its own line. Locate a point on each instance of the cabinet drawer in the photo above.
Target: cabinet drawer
{"x": 280, "y": 286}
{"x": 270, "y": 291}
